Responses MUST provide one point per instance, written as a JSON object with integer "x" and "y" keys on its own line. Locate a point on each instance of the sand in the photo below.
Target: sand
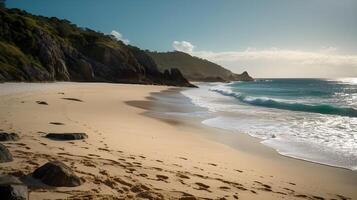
{"x": 130, "y": 155}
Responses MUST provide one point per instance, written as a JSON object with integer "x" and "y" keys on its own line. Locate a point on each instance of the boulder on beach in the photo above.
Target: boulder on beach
{"x": 56, "y": 173}
{"x": 67, "y": 136}
{"x": 8, "y": 136}
{"x": 12, "y": 188}
{"x": 5, "y": 155}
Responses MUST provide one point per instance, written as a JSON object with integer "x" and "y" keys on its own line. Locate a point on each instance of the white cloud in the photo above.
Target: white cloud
{"x": 183, "y": 46}
{"x": 276, "y": 62}
{"x": 322, "y": 57}
{"x": 119, "y": 36}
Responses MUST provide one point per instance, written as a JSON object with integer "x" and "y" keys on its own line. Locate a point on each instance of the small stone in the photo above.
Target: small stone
{"x": 67, "y": 136}
{"x": 42, "y": 102}
{"x": 8, "y": 136}
{"x": 56, "y": 173}
{"x": 12, "y": 188}
{"x": 5, "y": 155}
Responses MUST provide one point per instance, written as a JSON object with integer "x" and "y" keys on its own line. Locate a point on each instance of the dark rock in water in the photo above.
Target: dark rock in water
{"x": 42, "y": 102}
{"x": 242, "y": 77}
{"x": 175, "y": 77}
{"x": 12, "y": 188}
{"x": 8, "y": 136}
{"x": 5, "y": 155}
{"x": 67, "y": 136}
{"x": 56, "y": 173}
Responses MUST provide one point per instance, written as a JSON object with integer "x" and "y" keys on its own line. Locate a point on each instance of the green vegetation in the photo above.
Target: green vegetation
{"x": 37, "y": 48}
{"x": 193, "y": 68}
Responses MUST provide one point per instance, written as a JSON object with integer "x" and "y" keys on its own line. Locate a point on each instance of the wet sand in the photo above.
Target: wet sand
{"x": 130, "y": 154}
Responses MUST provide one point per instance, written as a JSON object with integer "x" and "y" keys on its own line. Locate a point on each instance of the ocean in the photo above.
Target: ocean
{"x": 309, "y": 119}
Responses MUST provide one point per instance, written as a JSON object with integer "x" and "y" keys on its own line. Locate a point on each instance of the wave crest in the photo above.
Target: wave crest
{"x": 274, "y": 103}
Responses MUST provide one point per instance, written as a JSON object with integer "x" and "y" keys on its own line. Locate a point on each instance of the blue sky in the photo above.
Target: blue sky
{"x": 275, "y": 38}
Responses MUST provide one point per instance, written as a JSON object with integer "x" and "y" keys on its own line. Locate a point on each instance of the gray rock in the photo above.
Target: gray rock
{"x": 67, "y": 136}
{"x": 12, "y": 188}
{"x": 5, "y": 155}
{"x": 8, "y": 136}
{"x": 56, "y": 173}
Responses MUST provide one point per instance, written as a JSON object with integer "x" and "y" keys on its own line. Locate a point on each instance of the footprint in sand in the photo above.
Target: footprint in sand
{"x": 224, "y": 188}
{"x": 42, "y": 102}
{"x": 131, "y": 157}
{"x": 265, "y": 187}
{"x": 93, "y": 155}
{"x": 103, "y": 149}
{"x": 72, "y": 99}
{"x": 288, "y": 189}
{"x": 202, "y": 186}
{"x": 162, "y": 177}
{"x": 182, "y": 176}
{"x": 143, "y": 175}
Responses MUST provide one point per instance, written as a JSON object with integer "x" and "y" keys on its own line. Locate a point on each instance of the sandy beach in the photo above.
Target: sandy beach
{"x": 131, "y": 155}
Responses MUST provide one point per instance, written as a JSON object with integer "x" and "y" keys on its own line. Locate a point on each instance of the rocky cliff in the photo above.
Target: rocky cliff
{"x": 36, "y": 48}
{"x": 196, "y": 69}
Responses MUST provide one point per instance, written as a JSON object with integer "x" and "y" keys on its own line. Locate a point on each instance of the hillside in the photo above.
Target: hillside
{"x": 36, "y": 48}
{"x": 196, "y": 69}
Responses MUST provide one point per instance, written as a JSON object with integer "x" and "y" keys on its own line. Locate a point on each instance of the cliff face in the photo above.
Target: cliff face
{"x": 196, "y": 69}
{"x": 35, "y": 48}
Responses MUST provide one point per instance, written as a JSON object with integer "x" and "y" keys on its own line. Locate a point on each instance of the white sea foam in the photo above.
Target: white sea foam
{"x": 326, "y": 139}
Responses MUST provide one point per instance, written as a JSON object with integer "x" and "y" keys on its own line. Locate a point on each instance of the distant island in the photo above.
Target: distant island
{"x": 36, "y": 48}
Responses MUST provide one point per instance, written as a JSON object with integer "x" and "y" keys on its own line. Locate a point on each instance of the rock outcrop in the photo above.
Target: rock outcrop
{"x": 5, "y": 155}
{"x": 242, "y": 77}
{"x": 36, "y": 48}
{"x": 194, "y": 68}
{"x": 12, "y": 188}
{"x": 8, "y": 136}
{"x": 56, "y": 173}
{"x": 67, "y": 136}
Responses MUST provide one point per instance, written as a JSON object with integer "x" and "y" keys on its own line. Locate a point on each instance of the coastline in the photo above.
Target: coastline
{"x": 252, "y": 146}
{"x": 163, "y": 157}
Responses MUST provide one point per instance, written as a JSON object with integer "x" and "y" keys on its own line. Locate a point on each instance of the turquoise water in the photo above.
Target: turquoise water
{"x": 307, "y": 95}
{"x": 311, "y": 119}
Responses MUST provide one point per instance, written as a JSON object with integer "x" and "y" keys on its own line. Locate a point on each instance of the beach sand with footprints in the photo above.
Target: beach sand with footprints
{"x": 129, "y": 155}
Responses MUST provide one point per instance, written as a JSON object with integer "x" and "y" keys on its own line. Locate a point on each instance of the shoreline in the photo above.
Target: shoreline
{"x": 256, "y": 147}
{"x": 253, "y": 138}
{"x": 165, "y": 158}
{"x": 275, "y": 132}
